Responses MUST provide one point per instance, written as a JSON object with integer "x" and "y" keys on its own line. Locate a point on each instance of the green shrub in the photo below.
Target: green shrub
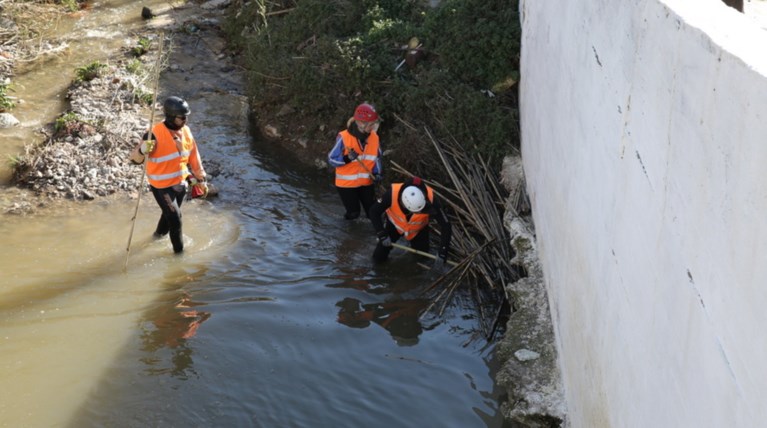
{"x": 71, "y": 124}
{"x": 325, "y": 56}
{"x": 89, "y": 72}
{"x": 142, "y": 47}
{"x": 71, "y": 5}
{"x": 6, "y": 102}
{"x": 16, "y": 161}
{"x": 484, "y": 53}
{"x": 134, "y": 66}
{"x": 65, "y": 120}
{"x": 144, "y": 98}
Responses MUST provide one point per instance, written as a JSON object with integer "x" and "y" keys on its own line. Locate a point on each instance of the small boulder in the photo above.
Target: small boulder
{"x": 7, "y": 120}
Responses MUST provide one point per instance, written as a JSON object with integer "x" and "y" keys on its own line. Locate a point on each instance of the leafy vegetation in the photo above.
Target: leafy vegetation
{"x": 71, "y": 123}
{"x": 134, "y": 66}
{"x": 6, "y": 102}
{"x": 16, "y": 161}
{"x": 142, "y": 47}
{"x": 89, "y": 72}
{"x": 323, "y": 57}
{"x": 71, "y": 5}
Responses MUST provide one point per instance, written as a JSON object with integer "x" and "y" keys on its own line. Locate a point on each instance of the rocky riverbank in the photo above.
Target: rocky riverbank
{"x": 84, "y": 154}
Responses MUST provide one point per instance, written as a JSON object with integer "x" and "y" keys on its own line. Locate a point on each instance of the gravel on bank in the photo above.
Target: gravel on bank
{"x": 86, "y": 152}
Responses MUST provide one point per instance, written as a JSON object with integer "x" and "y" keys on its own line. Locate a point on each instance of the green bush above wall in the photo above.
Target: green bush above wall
{"x": 322, "y": 57}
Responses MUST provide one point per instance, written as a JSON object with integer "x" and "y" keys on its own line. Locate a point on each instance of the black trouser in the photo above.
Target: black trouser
{"x": 169, "y": 200}
{"x": 420, "y": 242}
{"x": 353, "y": 197}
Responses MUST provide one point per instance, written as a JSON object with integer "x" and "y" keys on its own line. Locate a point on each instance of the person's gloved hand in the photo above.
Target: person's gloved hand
{"x": 352, "y": 155}
{"x": 199, "y": 188}
{"x": 439, "y": 264}
{"x": 203, "y": 187}
{"x": 383, "y": 239}
{"x": 440, "y": 261}
{"x": 147, "y": 146}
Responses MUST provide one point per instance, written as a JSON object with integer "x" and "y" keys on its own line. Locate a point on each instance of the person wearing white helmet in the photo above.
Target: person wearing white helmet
{"x": 405, "y": 211}
{"x": 356, "y": 157}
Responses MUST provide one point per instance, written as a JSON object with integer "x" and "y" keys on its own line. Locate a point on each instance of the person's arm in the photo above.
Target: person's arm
{"x": 137, "y": 156}
{"x": 378, "y": 209}
{"x": 336, "y": 156}
{"x": 195, "y": 162}
{"x": 445, "y": 228}
{"x": 378, "y": 167}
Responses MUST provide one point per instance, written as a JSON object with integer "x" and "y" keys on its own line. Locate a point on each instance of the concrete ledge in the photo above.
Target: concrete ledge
{"x": 530, "y": 371}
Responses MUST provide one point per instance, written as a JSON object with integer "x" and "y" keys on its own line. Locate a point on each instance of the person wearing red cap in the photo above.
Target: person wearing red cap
{"x": 356, "y": 157}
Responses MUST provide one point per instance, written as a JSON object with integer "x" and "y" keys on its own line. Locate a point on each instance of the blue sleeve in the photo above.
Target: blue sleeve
{"x": 378, "y": 167}
{"x": 336, "y": 155}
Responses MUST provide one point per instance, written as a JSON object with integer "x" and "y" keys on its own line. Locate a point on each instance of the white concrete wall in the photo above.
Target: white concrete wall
{"x": 644, "y": 126}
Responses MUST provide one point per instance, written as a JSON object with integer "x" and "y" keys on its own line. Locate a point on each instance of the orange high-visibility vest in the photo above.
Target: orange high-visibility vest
{"x": 407, "y": 228}
{"x": 167, "y": 165}
{"x": 353, "y": 174}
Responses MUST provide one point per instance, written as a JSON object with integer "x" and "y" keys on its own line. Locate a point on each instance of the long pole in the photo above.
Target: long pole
{"x": 372, "y": 176}
{"x": 420, "y": 253}
{"x": 149, "y": 135}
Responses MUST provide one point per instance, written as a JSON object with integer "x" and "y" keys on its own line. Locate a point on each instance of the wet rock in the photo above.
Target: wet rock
{"x": 271, "y": 132}
{"x": 321, "y": 164}
{"x": 526, "y": 355}
{"x": 7, "y": 120}
{"x": 215, "y": 4}
{"x": 285, "y": 110}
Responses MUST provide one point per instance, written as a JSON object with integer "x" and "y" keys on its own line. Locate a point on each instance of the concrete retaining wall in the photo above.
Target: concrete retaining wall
{"x": 644, "y": 127}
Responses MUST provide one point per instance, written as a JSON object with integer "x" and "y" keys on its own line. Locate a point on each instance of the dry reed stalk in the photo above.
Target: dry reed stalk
{"x": 476, "y": 204}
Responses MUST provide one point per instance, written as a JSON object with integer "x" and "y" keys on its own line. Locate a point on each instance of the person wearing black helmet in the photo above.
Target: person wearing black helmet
{"x": 171, "y": 157}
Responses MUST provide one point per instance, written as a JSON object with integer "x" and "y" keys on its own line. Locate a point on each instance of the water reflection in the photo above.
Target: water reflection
{"x": 168, "y": 326}
{"x": 398, "y": 317}
{"x": 165, "y": 335}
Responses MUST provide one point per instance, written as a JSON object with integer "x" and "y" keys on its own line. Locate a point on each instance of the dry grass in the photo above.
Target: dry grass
{"x": 25, "y": 32}
{"x": 475, "y": 202}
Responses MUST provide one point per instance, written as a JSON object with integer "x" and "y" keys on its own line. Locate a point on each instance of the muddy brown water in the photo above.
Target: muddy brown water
{"x": 274, "y": 316}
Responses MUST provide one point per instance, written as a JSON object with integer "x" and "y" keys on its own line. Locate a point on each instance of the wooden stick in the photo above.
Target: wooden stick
{"x": 143, "y": 173}
{"x": 420, "y": 253}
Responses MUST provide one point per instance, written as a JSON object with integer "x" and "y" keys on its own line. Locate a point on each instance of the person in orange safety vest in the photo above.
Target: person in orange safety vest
{"x": 404, "y": 211}
{"x": 171, "y": 157}
{"x": 356, "y": 157}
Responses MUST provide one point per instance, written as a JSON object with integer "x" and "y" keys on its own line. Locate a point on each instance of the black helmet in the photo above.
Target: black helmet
{"x": 175, "y": 106}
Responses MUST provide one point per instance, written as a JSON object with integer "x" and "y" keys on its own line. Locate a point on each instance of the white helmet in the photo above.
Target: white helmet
{"x": 413, "y": 199}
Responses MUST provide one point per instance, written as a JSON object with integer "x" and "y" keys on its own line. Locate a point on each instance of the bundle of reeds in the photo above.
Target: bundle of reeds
{"x": 476, "y": 203}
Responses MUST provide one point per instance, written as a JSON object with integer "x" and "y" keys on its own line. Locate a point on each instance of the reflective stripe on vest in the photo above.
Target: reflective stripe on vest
{"x": 167, "y": 166}
{"x": 353, "y": 174}
{"x": 408, "y": 229}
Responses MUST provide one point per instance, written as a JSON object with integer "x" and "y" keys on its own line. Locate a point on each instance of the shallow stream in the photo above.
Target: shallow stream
{"x": 273, "y": 316}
